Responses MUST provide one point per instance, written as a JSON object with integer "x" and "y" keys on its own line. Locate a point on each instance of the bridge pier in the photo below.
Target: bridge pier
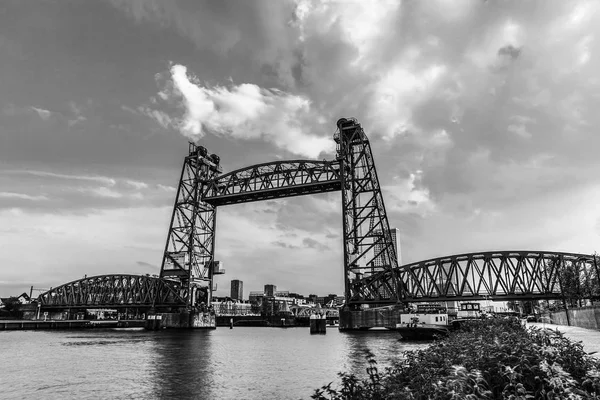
{"x": 180, "y": 320}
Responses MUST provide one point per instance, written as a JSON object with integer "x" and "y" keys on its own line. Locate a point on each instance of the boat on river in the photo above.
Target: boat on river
{"x": 423, "y": 326}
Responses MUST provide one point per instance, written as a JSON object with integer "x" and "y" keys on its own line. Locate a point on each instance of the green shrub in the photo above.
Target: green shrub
{"x": 489, "y": 359}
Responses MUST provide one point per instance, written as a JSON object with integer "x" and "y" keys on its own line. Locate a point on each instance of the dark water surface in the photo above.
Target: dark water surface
{"x": 242, "y": 363}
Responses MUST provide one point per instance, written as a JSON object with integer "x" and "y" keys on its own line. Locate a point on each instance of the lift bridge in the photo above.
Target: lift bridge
{"x": 371, "y": 272}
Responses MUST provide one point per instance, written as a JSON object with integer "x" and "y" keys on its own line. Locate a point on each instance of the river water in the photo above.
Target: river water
{"x": 239, "y": 363}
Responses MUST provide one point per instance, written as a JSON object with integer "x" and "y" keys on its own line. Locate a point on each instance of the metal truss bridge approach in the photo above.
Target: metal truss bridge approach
{"x": 370, "y": 268}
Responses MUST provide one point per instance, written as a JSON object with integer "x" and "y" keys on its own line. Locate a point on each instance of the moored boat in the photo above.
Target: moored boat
{"x": 422, "y": 326}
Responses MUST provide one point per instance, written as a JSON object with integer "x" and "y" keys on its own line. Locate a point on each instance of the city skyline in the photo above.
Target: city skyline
{"x": 480, "y": 116}
{"x": 268, "y": 289}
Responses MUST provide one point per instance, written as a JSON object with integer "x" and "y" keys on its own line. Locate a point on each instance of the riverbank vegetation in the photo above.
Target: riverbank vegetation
{"x": 489, "y": 359}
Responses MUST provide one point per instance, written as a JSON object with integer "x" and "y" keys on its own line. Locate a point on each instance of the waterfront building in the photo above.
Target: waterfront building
{"x": 225, "y": 306}
{"x": 237, "y": 289}
{"x": 256, "y": 296}
{"x": 379, "y": 261}
{"x": 270, "y": 290}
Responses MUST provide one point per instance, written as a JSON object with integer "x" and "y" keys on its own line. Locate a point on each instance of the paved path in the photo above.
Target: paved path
{"x": 590, "y": 338}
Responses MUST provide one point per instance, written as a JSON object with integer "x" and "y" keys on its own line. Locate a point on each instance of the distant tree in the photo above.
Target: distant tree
{"x": 529, "y": 306}
{"x": 575, "y": 281}
{"x": 255, "y": 307}
{"x": 593, "y": 281}
{"x": 512, "y": 305}
{"x": 13, "y": 306}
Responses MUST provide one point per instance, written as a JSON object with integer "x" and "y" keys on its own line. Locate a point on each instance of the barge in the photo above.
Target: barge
{"x": 423, "y": 326}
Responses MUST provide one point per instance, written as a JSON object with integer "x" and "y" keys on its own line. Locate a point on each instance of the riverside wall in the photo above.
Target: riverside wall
{"x": 583, "y": 317}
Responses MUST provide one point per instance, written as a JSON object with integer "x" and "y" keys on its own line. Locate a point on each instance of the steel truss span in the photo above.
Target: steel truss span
{"x": 273, "y": 180}
{"x": 114, "y": 291}
{"x": 502, "y": 275}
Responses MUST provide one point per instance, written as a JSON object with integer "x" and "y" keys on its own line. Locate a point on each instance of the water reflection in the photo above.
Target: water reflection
{"x": 242, "y": 363}
{"x": 386, "y": 347}
{"x": 184, "y": 365}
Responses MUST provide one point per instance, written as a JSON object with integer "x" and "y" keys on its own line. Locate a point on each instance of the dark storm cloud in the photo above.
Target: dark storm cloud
{"x": 145, "y": 265}
{"x": 256, "y": 32}
{"x": 284, "y": 245}
{"x": 314, "y": 244}
{"x": 510, "y": 51}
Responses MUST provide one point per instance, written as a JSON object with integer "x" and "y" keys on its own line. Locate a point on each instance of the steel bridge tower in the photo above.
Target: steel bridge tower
{"x": 188, "y": 259}
{"x": 366, "y": 230}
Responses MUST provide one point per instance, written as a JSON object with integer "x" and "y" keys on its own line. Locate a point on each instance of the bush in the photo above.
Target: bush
{"x": 488, "y": 359}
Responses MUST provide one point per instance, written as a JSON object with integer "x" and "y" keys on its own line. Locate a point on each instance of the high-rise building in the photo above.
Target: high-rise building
{"x": 380, "y": 260}
{"x": 270, "y": 290}
{"x": 237, "y": 289}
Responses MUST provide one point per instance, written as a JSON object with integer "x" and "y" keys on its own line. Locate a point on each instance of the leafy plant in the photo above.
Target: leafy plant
{"x": 488, "y": 359}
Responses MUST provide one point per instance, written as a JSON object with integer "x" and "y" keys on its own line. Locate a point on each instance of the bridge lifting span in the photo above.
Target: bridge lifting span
{"x": 371, "y": 272}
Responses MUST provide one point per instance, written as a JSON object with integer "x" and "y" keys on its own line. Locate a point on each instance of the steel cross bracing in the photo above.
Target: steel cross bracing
{"x": 113, "y": 291}
{"x": 503, "y": 275}
{"x": 369, "y": 253}
{"x": 273, "y": 180}
{"x": 189, "y": 251}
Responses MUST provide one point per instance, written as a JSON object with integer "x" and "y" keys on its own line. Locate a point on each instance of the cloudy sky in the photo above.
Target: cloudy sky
{"x": 482, "y": 116}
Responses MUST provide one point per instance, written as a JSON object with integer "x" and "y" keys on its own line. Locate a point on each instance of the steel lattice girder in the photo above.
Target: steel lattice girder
{"x": 189, "y": 251}
{"x": 369, "y": 251}
{"x": 503, "y": 275}
{"x": 113, "y": 291}
{"x": 273, "y": 180}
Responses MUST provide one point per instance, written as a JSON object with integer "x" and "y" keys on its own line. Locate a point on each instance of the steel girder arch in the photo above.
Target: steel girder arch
{"x": 493, "y": 275}
{"x": 189, "y": 251}
{"x": 113, "y": 291}
{"x": 273, "y": 180}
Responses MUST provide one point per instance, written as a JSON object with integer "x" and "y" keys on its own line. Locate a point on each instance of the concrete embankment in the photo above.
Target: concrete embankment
{"x": 257, "y": 320}
{"x": 582, "y": 317}
{"x": 67, "y": 324}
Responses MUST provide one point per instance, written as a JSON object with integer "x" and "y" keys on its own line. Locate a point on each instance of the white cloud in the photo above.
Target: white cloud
{"x": 166, "y": 188}
{"x": 102, "y": 179}
{"x": 159, "y": 116}
{"x": 77, "y": 112}
{"x": 137, "y": 184}
{"x": 22, "y": 196}
{"x": 397, "y": 93}
{"x": 101, "y": 191}
{"x": 408, "y": 195}
{"x": 243, "y": 111}
{"x": 520, "y": 130}
{"x": 44, "y": 114}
